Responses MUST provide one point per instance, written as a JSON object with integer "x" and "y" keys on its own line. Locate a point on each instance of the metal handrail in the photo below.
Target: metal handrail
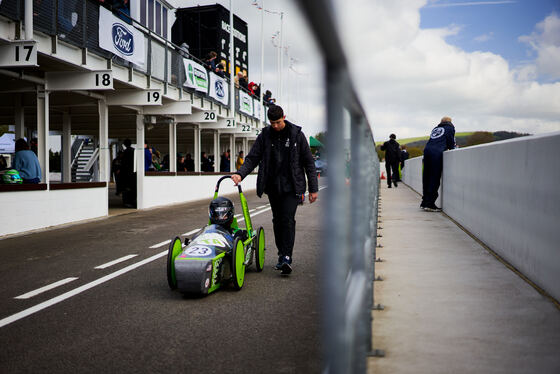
{"x": 348, "y": 248}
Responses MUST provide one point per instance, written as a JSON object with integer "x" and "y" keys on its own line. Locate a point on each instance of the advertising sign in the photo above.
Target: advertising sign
{"x": 245, "y": 103}
{"x": 219, "y": 89}
{"x": 197, "y": 77}
{"x": 257, "y": 109}
{"x": 120, "y": 38}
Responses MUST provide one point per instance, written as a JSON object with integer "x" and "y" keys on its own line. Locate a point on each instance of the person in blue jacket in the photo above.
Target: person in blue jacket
{"x": 441, "y": 139}
{"x": 26, "y": 162}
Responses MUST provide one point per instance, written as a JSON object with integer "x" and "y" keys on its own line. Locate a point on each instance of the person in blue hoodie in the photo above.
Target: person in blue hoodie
{"x": 441, "y": 139}
{"x": 26, "y": 162}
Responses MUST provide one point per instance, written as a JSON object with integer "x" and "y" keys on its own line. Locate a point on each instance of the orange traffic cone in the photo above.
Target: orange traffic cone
{"x": 318, "y": 175}
{"x": 383, "y": 175}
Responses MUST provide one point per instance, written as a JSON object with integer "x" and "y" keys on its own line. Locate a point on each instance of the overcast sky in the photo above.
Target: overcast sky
{"x": 490, "y": 65}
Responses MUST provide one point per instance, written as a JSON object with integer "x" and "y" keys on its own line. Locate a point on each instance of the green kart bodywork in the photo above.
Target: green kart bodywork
{"x": 216, "y": 256}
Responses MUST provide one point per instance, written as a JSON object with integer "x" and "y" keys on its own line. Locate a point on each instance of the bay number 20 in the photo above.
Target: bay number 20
{"x": 209, "y": 116}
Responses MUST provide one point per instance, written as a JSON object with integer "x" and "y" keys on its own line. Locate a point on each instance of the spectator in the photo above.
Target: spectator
{"x": 165, "y": 162}
{"x": 441, "y": 139}
{"x": 404, "y": 156}
{"x": 206, "y": 164}
{"x": 116, "y": 167}
{"x": 239, "y": 160}
{"x": 392, "y": 159}
{"x": 267, "y": 98}
{"x": 147, "y": 158}
{"x": 184, "y": 50}
{"x": 243, "y": 82}
{"x": 122, "y": 9}
{"x": 129, "y": 176}
{"x": 251, "y": 87}
{"x": 257, "y": 90}
{"x": 237, "y": 78}
{"x": 3, "y": 163}
{"x": 211, "y": 61}
{"x": 26, "y": 162}
{"x": 225, "y": 162}
{"x": 220, "y": 70}
{"x": 156, "y": 155}
{"x": 189, "y": 162}
{"x": 181, "y": 166}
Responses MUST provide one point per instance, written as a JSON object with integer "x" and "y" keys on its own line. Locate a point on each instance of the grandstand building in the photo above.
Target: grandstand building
{"x": 93, "y": 73}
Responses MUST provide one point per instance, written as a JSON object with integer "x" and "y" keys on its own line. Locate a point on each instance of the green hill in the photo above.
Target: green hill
{"x": 424, "y": 138}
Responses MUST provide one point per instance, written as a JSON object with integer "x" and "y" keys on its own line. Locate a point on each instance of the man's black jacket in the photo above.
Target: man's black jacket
{"x": 392, "y": 151}
{"x": 301, "y": 160}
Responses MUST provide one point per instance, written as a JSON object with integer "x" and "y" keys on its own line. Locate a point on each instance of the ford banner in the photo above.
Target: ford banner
{"x": 196, "y": 76}
{"x": 120, "y": 38}
{"x": 219, "y": 89}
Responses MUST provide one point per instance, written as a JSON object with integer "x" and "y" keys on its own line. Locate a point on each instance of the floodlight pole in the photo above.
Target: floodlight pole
{"x": 231, "y": 63}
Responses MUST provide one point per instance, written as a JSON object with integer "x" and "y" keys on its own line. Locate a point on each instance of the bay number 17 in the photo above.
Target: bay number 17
{"x": 28, "y": 48}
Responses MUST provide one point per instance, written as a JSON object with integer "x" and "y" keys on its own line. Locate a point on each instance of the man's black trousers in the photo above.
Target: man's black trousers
{"x": 284, "y": 208}
{"x": 395, "y": 175}
{"x": 433, "y": 166}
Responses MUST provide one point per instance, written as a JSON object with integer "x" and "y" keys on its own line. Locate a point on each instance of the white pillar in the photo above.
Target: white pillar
{"x": 139, "y": 151}
{"x": 66, "y": 148}
{"x": 173, "y": 146}
{"x": 104, "y": 154}
{"x": 196, "y": 132}
{"x": 29, "y": 19}
{"x": 232, "y": 154}
{"x": 216, "y": 150}
{"x": 245, "y": 146}
{"x": 19, "y": 117}
{"x": 43, "y": 133}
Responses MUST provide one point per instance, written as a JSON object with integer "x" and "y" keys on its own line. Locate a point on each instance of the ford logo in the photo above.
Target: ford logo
{"x": 123, "y": 40}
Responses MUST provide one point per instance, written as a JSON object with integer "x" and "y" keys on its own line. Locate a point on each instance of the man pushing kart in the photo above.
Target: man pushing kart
{"x": 282, "y": 153}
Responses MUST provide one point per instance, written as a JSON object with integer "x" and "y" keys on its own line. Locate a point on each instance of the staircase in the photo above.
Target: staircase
{"x": 82, "y": 165}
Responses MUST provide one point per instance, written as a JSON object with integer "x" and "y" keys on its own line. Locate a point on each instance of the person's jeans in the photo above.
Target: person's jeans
{"x": 283, "y": 220}
{"x": 394, "y": 176}
{"x": 31, "y": 181}
{"x": 433, "y": 166}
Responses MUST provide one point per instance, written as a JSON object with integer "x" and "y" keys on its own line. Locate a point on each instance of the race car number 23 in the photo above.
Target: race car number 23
{"x": 199, "y": 251}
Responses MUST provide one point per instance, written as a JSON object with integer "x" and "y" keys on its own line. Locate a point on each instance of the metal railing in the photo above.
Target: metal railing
{"x": 350, "y": 224}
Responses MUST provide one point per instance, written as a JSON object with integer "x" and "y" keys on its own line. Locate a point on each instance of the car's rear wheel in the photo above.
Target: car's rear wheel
{"x": 259, "y": 249}
{"x": 238, "y": 264}
{"x": 175, "y": 248}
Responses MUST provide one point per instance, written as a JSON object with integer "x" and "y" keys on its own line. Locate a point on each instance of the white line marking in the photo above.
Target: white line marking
{"x": 252, "y": 210}
{"x": 44, "y": 289}
{"x": 161, "y": 244}
{"x": 76, "y": 291}
{"x": 191, "y": 232}
{"x": 114, "y": 262}
{"x": 255, "y": 214}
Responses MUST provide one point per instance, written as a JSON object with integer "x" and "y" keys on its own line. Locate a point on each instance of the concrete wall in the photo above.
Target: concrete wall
{"x": 32, "y": 210}
{"x": 507, "y": 194}
{"x": 166, "y": 190}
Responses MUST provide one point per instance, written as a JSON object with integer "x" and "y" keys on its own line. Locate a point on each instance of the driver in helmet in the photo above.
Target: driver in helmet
{"x": 222, "y": 212}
